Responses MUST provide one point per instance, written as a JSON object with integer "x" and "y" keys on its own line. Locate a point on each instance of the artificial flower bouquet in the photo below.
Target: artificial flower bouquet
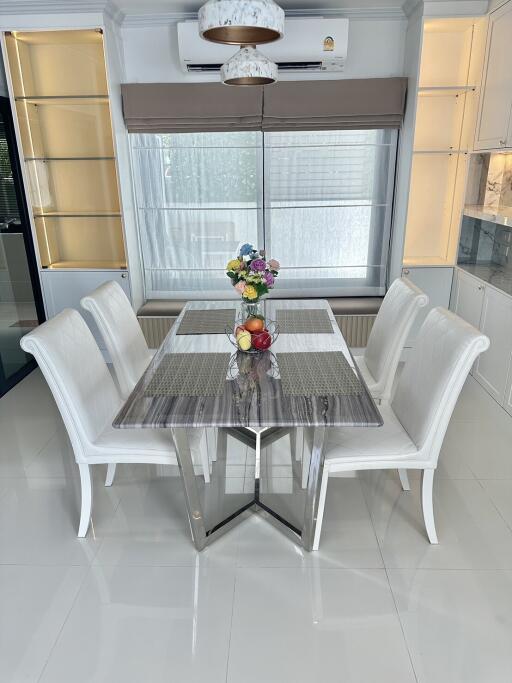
{"x": 251, "y": 274}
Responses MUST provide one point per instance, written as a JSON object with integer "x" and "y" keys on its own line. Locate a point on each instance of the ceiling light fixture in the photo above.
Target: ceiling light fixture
{"x": 241, "y": 22}
{"x": 248, "y": 67}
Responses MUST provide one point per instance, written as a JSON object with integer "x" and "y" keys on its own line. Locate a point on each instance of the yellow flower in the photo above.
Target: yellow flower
{"x": 250, "y": 292}
{"x": 234, "y": 264}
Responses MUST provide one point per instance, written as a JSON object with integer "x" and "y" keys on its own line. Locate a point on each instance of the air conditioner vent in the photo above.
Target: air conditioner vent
{"x": 283, "y": 66}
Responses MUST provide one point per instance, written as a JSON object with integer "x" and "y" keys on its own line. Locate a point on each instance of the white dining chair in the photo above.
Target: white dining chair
{"x": 114, "y": 316}
{"x": 416, "y": 420}
{"x": 118, "y": 325}
{"x": 389, "y": 333}
{"x": 88, "y": 401}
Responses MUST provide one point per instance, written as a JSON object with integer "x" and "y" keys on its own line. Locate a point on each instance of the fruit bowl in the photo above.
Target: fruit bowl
{"x": 252, "y": 342}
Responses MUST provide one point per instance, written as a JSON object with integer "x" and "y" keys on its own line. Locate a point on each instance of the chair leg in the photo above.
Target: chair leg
{"x": 205, "y": 458}
{"x": 111, "y": 473}
{"x": 85, "y": 510}
{"x": 404, "y": 479}
{"x": 211, "y": 443}
{"x": 321, "y": 507}
{"x": 427, "y": 483}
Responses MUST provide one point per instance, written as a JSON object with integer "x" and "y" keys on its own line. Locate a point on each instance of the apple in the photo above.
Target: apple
{"x": 254, "y": 325}
{"x": 244, "y": 340}
{"x": 262, "y": 340}
{"x": 239, "y": 329}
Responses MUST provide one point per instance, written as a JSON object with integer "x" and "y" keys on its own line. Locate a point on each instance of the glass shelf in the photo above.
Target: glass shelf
{"x": 65, "y": 128}
{"x": 87, "y": 265}
{"x": 79, "y": 239}
{"x": 81, "y": 214}
{"x": 69, "y": 158}
{"x": 57, "y": 63}
{"x": 446, "y": 90}
{"x": 70, "y": 186}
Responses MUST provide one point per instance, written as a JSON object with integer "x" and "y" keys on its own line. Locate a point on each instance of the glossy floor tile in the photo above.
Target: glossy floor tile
{"x": 457, "y": 624}
{"x": 472, "y": 534}
{"x": 316, "y": 625}
{"x": 154, "y": 624}
{"x": 134, "y": 601}
{"x": 35, "y": 602}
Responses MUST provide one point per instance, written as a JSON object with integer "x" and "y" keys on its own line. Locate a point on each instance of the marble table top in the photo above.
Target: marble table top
{"x": 252, "y": 394}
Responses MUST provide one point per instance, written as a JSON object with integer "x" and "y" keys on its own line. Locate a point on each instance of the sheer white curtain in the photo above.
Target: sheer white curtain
{"x": 319, "y": 202}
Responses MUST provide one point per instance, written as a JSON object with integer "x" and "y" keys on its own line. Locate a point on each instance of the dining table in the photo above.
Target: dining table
{"x": 265, "y": 416}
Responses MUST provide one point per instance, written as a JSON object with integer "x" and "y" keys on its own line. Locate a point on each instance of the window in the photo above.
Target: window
{"x": 320, "y": 202}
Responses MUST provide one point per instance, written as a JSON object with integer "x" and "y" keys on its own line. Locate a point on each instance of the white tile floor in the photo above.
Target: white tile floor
{"x": 134, "y": 602}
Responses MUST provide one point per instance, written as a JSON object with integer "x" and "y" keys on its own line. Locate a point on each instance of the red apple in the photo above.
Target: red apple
{"x": 261, "y": 340}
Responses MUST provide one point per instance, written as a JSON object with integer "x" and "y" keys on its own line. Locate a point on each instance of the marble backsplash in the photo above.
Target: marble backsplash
{"x": 490, "y": 181}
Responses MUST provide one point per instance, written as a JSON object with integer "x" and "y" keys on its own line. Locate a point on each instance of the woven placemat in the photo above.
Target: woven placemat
{"x": 189, "y": 374}
{"x": 317, "y": 373}
{"x": 207, "y": 321}
{"x": 303, "y": 320}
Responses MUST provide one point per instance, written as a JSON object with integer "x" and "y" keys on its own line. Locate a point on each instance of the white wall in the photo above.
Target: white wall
{"x": 376, "y": 49}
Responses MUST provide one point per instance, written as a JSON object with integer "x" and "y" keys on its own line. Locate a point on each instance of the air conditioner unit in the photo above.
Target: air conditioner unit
{"x": 309, "y": 44}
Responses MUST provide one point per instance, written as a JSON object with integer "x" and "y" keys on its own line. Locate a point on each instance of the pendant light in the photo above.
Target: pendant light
{"x": 241, "y": 22}
{"x": 248, "y": 67}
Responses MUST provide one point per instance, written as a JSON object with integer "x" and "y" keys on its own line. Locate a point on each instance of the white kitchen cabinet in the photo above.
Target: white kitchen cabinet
{"x": 494, "y": 126}
{"x": 436, "y": 282}
{"x": 64, "y": 289}
{"x": 467, "y": 297}
{"x": 492, "y": 367}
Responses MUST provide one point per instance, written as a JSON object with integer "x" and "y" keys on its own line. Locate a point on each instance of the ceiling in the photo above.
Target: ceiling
{"x": 138, "y": 8}
{"x": 149, "y": 6}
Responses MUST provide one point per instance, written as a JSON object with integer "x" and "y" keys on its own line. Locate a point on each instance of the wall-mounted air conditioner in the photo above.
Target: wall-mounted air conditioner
{"x": 309, "y": 44}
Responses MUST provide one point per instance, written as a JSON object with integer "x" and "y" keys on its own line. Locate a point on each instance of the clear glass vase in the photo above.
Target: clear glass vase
{"x": 251, "y": 308}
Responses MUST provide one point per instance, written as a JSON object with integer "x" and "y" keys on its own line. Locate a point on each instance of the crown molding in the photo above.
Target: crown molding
{"x": 166, "y": 18}
{"x": 446, "y": 8}
{"x": 411, "y": 6}
{"x": 132, "y": 20}
{"x": 25, "y": 7}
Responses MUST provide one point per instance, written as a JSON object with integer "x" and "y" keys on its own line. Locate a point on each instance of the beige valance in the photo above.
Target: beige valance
{"x": 341, "y": 104}
{"x": 190, "y": 107}
{"x": 288, "y": 105}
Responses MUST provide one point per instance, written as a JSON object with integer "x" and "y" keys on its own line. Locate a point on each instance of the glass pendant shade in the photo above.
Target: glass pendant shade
{"x": 241, "y": 22}
{"x": 248, "y": 67}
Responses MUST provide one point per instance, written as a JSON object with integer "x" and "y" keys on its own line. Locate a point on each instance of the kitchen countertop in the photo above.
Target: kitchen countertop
{"x": 496, "y": 275}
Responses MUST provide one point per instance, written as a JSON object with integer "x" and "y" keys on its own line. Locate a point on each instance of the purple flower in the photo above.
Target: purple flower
{"x": 269, "y": 279}
{"x": 258, "y": 265}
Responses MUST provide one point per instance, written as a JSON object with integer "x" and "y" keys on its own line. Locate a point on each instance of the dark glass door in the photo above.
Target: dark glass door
{"x": 21, "y": 307}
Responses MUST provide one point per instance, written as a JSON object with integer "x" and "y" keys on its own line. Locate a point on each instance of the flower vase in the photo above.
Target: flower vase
{"x": 251, "y": 309}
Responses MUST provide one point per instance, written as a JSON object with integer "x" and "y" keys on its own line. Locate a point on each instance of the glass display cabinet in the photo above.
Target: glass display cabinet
{"x": 59, "y": 86}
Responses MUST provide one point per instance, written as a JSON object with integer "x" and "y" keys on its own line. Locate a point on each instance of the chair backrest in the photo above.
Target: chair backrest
{"x": 121, "y": 332}
{"x": 389, "y": 333}
{"x": 435, "y": 371}
{"x": 77, "y": 375}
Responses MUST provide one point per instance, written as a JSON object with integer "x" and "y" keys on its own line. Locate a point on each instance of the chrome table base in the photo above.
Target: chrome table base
{"x": 200, "y": 497}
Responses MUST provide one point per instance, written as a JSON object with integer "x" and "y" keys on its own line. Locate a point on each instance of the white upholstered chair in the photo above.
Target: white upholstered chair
{"x": 113, "y": 314}
{"x": 88, "y": 401}
{"x": 394, "y": 320}
{"x": 416, "y": 420}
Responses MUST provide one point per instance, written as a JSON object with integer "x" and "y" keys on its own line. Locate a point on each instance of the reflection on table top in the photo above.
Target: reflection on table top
{"x": 251, "y": 394}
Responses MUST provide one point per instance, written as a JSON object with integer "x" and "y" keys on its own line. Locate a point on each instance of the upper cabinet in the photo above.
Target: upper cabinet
{"x": 61, "y": 98}
{"x": 494, "y": 126}
{"x": 445, "y": 115}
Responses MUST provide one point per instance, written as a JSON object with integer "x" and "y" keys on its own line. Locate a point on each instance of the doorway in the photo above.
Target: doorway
{"x": 21, "y": 304}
